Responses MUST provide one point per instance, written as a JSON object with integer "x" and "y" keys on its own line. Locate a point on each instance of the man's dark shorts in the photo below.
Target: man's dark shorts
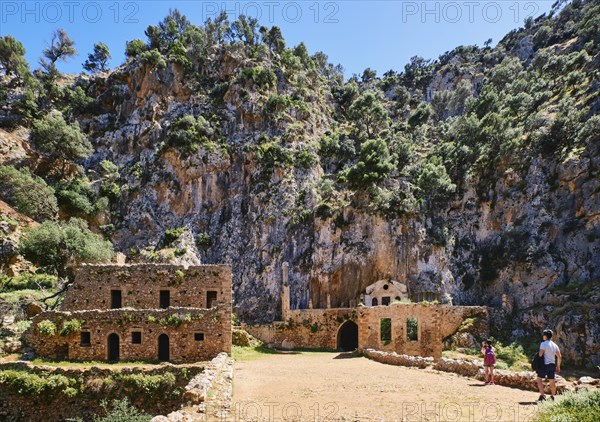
{"x": 547, "y": 371}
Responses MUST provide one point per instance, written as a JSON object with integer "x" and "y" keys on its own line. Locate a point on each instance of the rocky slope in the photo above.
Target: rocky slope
{"x": 520, "y": 233}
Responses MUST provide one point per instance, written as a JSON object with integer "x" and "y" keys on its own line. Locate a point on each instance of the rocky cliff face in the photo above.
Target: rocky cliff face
{"x": 540, "y": 230}
{"x": 520, "y": 233}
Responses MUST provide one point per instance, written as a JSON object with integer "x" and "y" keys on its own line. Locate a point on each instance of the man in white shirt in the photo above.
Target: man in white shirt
{"x": 552, "y": 358}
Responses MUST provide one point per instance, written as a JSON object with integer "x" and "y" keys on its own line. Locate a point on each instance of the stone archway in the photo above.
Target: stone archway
{"x": 163, "y": 348}
{"x": 113, "y": 347}
{"x": 347, "y": 337}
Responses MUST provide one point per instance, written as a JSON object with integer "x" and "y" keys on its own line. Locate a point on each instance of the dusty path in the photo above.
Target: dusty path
{"x": 333, "y": 387}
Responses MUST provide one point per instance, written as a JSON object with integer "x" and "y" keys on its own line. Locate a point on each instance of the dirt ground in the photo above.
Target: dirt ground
{"x": 321, "y": 386}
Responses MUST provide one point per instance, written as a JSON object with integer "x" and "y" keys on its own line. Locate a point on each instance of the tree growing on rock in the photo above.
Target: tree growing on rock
{"x": 61, "y": 143}
{"x": 61, "y": 48}
{"x": 369, "y": 116}
{"x": 12, "y": 60}
{"x": 374, "y": 165}
{"x": 97, "y": 61}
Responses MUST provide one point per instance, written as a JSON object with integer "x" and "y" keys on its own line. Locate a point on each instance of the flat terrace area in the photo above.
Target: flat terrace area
{"x": 329, "y": 386}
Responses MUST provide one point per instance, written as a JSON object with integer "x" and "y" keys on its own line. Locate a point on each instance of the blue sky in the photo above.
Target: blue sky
{"x": 381, "y": 35}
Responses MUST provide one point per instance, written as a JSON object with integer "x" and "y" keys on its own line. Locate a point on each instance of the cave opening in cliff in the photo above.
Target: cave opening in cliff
{"x": 347, "y": 338}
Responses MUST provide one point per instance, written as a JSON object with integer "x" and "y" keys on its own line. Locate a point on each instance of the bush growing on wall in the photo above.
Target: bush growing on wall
{"x": 47, "y": 328}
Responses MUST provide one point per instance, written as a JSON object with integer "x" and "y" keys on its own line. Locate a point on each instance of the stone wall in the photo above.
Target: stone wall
{"x": 525, "y": 380}
{"x": 140, "y": 286}
{"x": 305, "y": 329}
{"x": 193, "y": 334}
{"x": 434, "y": 322}
{"x": 320, "y": 328}
{"x": 89, "y": 387}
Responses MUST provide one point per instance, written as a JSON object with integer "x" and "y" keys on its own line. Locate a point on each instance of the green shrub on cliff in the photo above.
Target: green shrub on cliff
{"x": 54, "y": 246}
{"x": 29, "y": 194}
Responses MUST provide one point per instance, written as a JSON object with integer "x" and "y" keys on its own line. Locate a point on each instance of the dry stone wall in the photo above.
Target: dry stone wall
{"x": 525, "y": 380}
{"x": 193, "y": 334}
{"x": 159, "y": 390}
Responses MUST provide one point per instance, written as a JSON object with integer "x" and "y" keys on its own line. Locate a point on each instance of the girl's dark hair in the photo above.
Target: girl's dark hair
{"x": 489, "y": 341}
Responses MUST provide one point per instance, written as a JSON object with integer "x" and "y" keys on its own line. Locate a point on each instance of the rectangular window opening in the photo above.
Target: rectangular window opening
{"x": 385, "y": 301}
{"x": 199, "y": 336}
{"x": 85, "y": 338}
{"x": 211, "y": 298}
{"x": 165, "y": 299}
{"x": 115, "y": 299}
{"x": 385, "y": 326}
{"x": 412, "y": 329}
{"x": 136, "y": 337}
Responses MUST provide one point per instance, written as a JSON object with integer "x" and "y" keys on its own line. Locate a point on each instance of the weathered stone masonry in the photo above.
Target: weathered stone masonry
{"x": 432, "y": 324}
{"x": 361, "y": 327}
{"x": 194, "y": 325}
{"x": 141, "y": 286}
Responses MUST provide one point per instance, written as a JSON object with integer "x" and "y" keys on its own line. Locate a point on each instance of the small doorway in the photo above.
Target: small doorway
{"x": 113, "y": 347}
{"x": 347, "y": 338}
{"x": 163, "y": 348}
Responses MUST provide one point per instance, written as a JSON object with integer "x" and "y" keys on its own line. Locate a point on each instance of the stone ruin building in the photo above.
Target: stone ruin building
{"x": 145, "y": 312}
{"x": 383, "y": 322}
{"x": 384, "y": 292}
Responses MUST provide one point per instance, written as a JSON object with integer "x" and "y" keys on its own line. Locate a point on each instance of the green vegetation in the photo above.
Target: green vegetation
{"x": 203, "y": 240}
{"x": 312, "y": 144}
{"x": 148, "y": 384}
{"x": 172, "y": 319}
{"x": 513, "y": 356}
{"x": 60, "y": 142}
{"x": 70, "y": 326}
{"x": 582, "y": 406}
{"x": 47, "y": 328}
{"x": 97, "y": 61}
{"x": 412, "y": 329}
{"x": 244, "y": 353}
{"x": 54, "y": 246}
{"x": 27, "y": 281}
{"x": 12, "y": 60}
{"x": 171, "y": 235}
{"x": 188, "y": 133}
{"x": 50, "y": 387}
{"x": 29, "y": 194}
{"x": 122, "y": 411}
{"x": 385, "y": 330}
{"x": 37, "y": 386}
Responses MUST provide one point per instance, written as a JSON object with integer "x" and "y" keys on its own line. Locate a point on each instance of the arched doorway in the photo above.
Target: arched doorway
{"x": 113, "y": 347}
{"x": 347, "y": 338}
{"x": 163, "y": 348}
